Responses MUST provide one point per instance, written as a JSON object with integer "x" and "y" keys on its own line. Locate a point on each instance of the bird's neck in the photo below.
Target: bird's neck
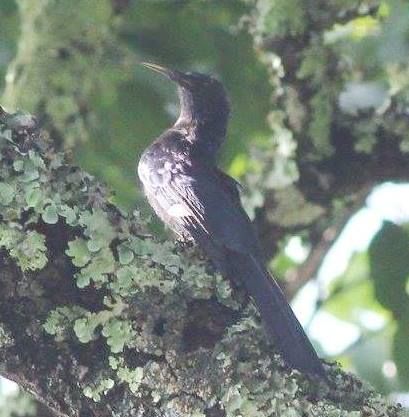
{"x": 204, "y": 122}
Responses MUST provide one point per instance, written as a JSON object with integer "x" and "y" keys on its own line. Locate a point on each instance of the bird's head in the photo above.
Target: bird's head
{"x": 203, "y": 98}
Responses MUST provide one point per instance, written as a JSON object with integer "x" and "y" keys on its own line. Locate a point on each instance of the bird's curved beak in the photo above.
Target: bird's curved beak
{"x": 158, "y": 68}
{"x": 174, "y": 75}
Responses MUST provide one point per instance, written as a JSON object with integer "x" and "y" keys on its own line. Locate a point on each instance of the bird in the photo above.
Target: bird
{"x": 201, "y": 203}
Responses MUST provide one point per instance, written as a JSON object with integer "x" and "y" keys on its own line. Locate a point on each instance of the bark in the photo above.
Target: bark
{"x": 96, "y": 318}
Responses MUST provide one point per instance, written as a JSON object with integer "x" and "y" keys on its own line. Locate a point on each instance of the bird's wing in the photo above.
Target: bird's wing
{"x": 206, "y": 202}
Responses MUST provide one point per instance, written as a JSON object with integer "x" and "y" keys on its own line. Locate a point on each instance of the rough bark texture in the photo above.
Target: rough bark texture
{"x": 98, "y": 319}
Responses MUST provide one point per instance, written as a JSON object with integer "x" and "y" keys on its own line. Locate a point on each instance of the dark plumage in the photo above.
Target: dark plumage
{"x": 199, "y": 202}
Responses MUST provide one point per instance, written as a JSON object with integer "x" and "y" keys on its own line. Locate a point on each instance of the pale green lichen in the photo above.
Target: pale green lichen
{"x": 132, "y": 377}
{"x": 59, "y": 321}
{"x": 118, "y": 334}
{"x": 78, "y": 252}
{"x": 6, "y": 339}
{"x": 117, "y": 331}
{"x": 101, "y": 264}
{"x": 275, "y": 168}
{"x": 97, "y": 228}
{"x": 279, "y": 17}
{"x": 28, "y": 249}
{"x": 366, "y": 139}
{"x": 99, "y": 388}
{"x": 293, "y": 209}
{"x": 238, "y": 372}
{"x": 6, "y": 194}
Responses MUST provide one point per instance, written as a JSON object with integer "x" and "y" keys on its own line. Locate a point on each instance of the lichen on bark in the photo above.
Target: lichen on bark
{"x": 147, "y": 328}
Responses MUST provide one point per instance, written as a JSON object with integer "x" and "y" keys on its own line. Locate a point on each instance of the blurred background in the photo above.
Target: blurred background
{"x": 318, "y": 137}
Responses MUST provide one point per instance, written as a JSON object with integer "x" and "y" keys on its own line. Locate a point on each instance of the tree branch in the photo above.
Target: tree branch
{"x": 96, "y": 318}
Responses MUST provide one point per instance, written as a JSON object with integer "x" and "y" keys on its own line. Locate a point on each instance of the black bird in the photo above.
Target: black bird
{"x": 199, "y": 202}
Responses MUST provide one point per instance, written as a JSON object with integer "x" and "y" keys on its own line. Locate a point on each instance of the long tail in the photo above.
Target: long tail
{"x": 280, "y": 321}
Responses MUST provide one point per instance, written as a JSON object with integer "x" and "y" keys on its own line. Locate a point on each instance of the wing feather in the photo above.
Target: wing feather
{"x": 212, "y": 208}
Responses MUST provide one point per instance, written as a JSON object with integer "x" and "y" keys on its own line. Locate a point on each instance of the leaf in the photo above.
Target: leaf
{"x": 389, "y": 266}
{"x": 353, "y": 293}
{"x": 369, "y": 355}
{"x": 401, "y": 351}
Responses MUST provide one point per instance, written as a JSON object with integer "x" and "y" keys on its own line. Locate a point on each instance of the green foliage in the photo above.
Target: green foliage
{"x": 352, "y": 294}
{"x": 57, "y": 50}
{"x": 375, "y": 284}
{"x": 389, "y": 263}
{"x": 9, "y": 31}
{"x": 319, "y": 128}
{"x": 18, "y": 404}
{"x": 389, "y": 270}
{"x": 368, "y": 357}
{"x": 401, "y": 350}
{"x": 281, "y": 17}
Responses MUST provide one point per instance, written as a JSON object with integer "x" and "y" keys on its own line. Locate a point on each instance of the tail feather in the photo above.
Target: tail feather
{"x": 280, "y": 321}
